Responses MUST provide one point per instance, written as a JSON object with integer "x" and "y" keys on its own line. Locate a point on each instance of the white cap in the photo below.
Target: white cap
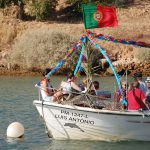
{"x": 148, "y": 79}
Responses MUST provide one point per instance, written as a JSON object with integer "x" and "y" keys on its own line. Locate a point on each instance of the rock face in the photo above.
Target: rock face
{"x": 132, "y": 68}
{"x": 133, "y": 25}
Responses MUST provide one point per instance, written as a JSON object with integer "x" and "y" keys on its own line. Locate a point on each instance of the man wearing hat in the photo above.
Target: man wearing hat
{"x": 138, "y": 77}
{"x": 148, "y": 89}
{"x": 47, "y": 91}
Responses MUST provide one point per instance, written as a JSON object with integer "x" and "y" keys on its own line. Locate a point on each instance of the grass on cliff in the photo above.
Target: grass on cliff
{"x": 44, "y": 47}
{"x": 37, "y": 49}
{"x": 40, "y": 48}
{"x": 8, "y": 33}
{"x": 142, "y": 54}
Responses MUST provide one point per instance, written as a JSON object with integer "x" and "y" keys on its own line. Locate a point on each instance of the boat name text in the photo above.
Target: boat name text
{"x": 74, "y": 117}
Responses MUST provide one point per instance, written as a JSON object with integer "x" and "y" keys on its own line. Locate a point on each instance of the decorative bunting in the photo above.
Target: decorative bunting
{"x": 79, "y": 72}
{"x": 112, "y": 39}
{"x": 80, "y": 58}
{"x": 91, "y": 37}
{"x": 69, "y": 54}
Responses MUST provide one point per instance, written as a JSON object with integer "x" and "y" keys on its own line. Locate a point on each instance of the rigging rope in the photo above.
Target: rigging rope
{"x": 111, "y": 65}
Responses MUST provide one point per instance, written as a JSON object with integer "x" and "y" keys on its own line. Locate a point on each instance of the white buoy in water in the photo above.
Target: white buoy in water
{"x": 15, "y": 130}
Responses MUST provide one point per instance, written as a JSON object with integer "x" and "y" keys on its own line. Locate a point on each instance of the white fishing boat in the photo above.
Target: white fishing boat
{"x": 82, "y": 123}
{"x": 70, "y": 120}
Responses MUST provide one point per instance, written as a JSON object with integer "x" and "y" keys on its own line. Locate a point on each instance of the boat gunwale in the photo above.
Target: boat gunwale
{"x": 102, "y": 111}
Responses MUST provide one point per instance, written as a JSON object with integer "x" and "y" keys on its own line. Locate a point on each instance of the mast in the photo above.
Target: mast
{"x": 126, "y": 85}
{"x": 88, "y": 66}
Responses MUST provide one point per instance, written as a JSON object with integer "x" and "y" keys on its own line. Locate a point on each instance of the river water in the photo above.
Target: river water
{"x": 16, "y": 104}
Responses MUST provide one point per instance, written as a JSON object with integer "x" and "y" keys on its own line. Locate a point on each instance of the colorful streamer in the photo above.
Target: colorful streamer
{"x": 110, "y": 63}
{"x": 112, "y": 39}
{"x": 69, "y": 54}
{"x": 80, "y": 57}
{"x": 91, "y": 37}
{"x": 81, "y": 69}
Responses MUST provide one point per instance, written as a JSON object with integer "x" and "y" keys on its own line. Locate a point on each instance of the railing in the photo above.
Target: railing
{"x": 79, "y": 98}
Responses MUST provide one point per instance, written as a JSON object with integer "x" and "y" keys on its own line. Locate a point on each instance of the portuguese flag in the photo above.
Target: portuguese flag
{"x": 99, "y": 16}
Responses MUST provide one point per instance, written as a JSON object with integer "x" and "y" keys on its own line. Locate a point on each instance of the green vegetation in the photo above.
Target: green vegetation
{"x": 103, "y": 2}
{"x": 43, "y": 10}
{"x": 44, "y": 47}
{"x": 75, "y": 10}
{"x": 40, "y": 48}
{"x": 4, "y": 3}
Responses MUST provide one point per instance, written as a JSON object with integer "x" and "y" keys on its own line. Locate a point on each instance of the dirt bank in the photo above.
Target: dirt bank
{"x": 133, "y": 25}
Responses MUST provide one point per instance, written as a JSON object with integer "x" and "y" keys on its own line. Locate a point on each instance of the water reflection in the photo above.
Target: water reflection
{"x": 14, "y": 140}
{"x": 92, "y": 145}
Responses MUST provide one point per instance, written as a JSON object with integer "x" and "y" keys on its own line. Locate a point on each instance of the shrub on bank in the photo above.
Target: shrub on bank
{"x": 42, "y": 9}
{"x": 40, "y": 48}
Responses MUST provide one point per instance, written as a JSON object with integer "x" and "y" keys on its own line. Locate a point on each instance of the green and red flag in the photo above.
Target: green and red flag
{"x": 99, "y": 16}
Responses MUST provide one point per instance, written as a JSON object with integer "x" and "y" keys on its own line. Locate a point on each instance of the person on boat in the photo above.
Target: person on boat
{"x": 67, "y": 87}
{"x": 118, "y": 97}
{"x": 83, "y": 85}
{"x": 95, "y": 90}
{"x": 103, "y": 94}
{"x": 148, "y": 89}
{"x": 47, "y": 90}
{"x": 142, "y": 85}
{"x": 70, "y": 84}
{"x": 136, "y": 97}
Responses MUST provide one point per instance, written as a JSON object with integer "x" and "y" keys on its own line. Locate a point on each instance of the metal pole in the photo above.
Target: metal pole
{"x": 126, "y": 85}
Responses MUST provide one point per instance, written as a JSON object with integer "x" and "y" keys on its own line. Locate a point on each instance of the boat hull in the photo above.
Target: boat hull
{"x": 81, "y": 123}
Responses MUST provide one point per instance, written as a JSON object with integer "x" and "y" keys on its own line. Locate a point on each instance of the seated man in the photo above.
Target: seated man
{"x": 66, "y": 87}
{"x": 95, "y": 88}
{"x": 101, "y": 93}
{"x": 47, "y": 90}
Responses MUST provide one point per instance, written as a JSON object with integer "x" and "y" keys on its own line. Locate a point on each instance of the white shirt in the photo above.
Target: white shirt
{"x": 44, "y": 95}
{"x": 66, "y": 86}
